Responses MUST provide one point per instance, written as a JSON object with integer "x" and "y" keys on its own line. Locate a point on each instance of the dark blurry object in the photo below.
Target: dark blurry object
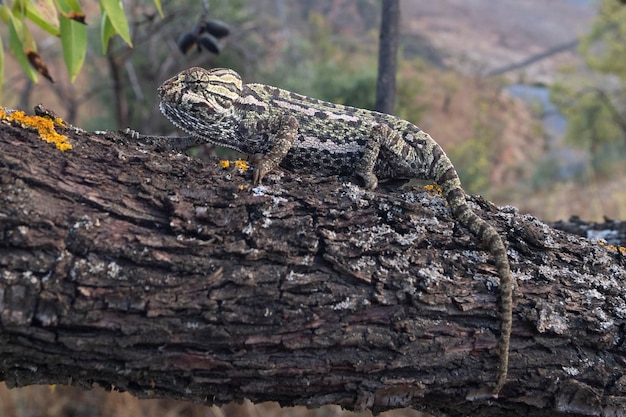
{"x": 216, "y": 28}
{"x": 37, "y": 62}
{"x": 388, "y": 57}
{"x": 186, "y": 41}
{"x": 206, "y": 34}
{"x": 79, "y": 17}
{"x": 209, "y": 42}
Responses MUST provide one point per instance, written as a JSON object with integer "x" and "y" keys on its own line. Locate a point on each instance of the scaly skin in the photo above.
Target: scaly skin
{"x": 303, "y": 134}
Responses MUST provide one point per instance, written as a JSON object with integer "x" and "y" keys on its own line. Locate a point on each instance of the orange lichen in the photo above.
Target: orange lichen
{"x": 620, "y": 249}
{"x": 239, "y": 164}
{"x": 242, "y": 165}
{"x": 44, "y": 126}
{"x": 434, "y": 187}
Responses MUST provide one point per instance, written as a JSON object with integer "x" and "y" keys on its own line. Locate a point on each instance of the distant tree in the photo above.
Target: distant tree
{"x": 388, "y": 57}
{"x": 594, "y": 98}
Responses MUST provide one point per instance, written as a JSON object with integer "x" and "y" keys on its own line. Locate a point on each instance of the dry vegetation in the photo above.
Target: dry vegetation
{"x": 65, "y": 401}
{"x": 592, "y": 202}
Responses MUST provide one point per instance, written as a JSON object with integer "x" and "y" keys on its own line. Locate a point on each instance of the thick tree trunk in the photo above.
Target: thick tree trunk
{"x": 167, "y": 276}
{"x": 388, "y": 56}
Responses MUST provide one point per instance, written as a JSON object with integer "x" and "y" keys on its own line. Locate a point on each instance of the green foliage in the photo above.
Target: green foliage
{"x": 319, "y": 66}
{"x": 473, "y": 157}
{"x": 344, "y": 85}
{"x": 545, "y": 171}
{"x": 1, "y": 65}
{"x": 114, "y": 20}
{"x": 322, "y": 66}
{"x": 20, "y": 39}
{"x": 63, "y": 18}
{"x": 107, "y": 31}
{"x": 594, "y": 98}
{"x": 410, "y": 86}
{"x": 605, "y": 46}
{"x": 74, "y": 41}
{"x": 590, "y": 113}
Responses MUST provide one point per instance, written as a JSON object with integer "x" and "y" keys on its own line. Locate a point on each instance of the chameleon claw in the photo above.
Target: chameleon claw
{"x": 369, "y": 179}
{"x": 260, "y": 168}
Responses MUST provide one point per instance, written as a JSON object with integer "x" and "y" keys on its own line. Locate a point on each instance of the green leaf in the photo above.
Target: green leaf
{"x": 43, "y": 14}
{"x": 20, "y": 40}
{"x": 63, "y": 6}
{"x": 157, "y": 3}
{"x": 74, "y": 41}
{"x": 1, "y": 65}
{"x": 68, "y": 6}
{"x": 74, "y": 6}
{"x": 107, "y": 31}
{"x": 115, "y": 14}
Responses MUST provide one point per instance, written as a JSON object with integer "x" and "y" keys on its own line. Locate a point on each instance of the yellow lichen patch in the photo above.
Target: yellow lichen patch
{"x": 620, "y": 249}
{"x": 434, "y": 187}
{"x": 44, "y": 126}
{"x": 241, "y": 165}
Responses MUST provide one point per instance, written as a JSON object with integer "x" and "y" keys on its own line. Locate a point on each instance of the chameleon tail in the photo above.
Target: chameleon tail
{"x": 446, "y": 176}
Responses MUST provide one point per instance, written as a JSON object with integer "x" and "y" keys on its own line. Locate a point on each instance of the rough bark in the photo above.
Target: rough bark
{"x": 168, "y": 276}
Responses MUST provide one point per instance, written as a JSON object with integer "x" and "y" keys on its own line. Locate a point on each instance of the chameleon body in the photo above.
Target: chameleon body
{"x": 303, "y": 134}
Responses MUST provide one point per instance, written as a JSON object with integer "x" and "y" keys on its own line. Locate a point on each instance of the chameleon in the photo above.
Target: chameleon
{"x": 276, "y": 127}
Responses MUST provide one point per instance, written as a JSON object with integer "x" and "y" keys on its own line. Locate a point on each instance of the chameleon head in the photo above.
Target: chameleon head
{"x": 197, "y": 98}
{"x": 197, "y": 89}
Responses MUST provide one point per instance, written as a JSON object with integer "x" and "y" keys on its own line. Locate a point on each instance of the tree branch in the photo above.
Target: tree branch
{"x": 167, "y": 276}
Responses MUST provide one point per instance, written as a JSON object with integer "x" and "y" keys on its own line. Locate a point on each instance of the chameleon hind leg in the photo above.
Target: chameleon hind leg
{"x": 384, "y": 137}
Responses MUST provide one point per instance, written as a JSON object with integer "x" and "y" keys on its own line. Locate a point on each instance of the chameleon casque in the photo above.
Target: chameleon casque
{"x": 303, "y": 134}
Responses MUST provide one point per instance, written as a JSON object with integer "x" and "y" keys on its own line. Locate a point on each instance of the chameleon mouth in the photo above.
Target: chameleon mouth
{"x": 194, "y": 126}
{"x": 186, "y": 120}
{"x": 166, "y": 89}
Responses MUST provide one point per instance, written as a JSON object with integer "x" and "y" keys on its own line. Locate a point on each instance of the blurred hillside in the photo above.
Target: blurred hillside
{"x": 480, "y": 36}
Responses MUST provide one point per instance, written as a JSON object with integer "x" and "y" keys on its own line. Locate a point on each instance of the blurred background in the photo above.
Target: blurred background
{"x": 527, "y": 97}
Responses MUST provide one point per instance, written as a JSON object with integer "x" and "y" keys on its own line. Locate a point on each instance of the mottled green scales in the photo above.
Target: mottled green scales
{"x": 303, "y": 134}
